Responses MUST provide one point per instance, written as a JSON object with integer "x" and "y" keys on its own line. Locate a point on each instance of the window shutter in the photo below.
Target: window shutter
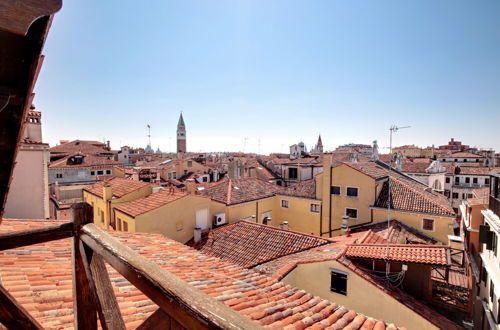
{"x": 483, "y": 233}
{"x": 489, "y": 241}
{"x": 339, "y": 283}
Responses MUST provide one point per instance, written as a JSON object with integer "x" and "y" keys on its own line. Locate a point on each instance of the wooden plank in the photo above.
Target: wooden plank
{"x": 17, "y": 16}
{"x": 158, "y": 320}
{"x": 100, "y": 284}
{"x": 13, "y": 315}
{"x": 191, "y": 308}
{"x": 83, "y": 297}
{"x": 34, "y": 236}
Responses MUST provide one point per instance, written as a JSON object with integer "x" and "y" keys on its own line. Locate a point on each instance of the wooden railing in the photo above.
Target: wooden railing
{"x": 179, "y": 304}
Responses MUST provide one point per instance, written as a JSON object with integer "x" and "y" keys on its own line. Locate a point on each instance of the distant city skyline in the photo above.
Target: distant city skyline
{"x": 279, "y": 72}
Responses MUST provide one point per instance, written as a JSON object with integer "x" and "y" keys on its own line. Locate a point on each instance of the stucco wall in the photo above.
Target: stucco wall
{"x": 28, "y": 196}
{"x": 362, "y": 296}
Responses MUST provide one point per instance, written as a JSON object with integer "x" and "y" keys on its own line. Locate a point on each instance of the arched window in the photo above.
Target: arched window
{"x": 437, "y": 185}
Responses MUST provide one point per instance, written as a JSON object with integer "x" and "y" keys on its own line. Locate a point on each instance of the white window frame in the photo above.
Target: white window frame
{"x": 287, "y": 204}
{"x": 351, "y": 208}
{"x": 316, "y": 205}
{"x": 357, "y": 189}
{"x": 433, "y": 224}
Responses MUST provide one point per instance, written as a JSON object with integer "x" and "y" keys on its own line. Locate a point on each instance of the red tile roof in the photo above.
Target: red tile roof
{"x": 306, "y": 189}
{"x": 88, "y": 161}
{"x": 415, "y": 253}
{"x": 120, "y": 187}
{"x": 236, "y": 191}
{"x": 149, "y": 203}
{"x": 410, "y": 195}
{"x": 465, "y": 155}
{"x": 397, "y": 232}
{"x": 39, "y": 277}
{"x": 82, "y": 146}
{"x": 476, "y": 170}
{"x": 248, "y": 244}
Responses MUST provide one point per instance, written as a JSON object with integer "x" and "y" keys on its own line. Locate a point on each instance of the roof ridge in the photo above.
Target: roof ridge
{"x": 281, "y": 229}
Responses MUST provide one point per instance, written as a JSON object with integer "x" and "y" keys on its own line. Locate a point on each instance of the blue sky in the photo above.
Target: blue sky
{"x": 277, "y": 72}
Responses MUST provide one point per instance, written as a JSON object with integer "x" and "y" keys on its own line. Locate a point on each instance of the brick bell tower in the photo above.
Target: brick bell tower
{"x": 181, "y": 137}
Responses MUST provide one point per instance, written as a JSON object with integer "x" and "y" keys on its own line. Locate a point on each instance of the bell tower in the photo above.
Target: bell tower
{"x": 181, "y": 137}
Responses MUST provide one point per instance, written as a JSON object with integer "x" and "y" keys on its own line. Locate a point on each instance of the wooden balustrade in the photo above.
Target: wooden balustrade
{"x": 179, "y": 304}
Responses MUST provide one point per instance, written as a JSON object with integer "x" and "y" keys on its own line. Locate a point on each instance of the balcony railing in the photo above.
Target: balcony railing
{"x": 469, "y": 185}
{"x": 495, "y": 205}
{"x": 180, "y": 305}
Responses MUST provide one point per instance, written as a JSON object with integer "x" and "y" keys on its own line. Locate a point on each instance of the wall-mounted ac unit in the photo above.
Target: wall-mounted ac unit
{"x": 219, "y": 219}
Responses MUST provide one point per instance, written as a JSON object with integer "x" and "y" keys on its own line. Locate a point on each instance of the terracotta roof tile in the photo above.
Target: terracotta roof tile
{"x": 235, "y": 191}
{"x": 88, "y": 161}
{"x": 39, "y": 276}
{"x": 149, "y": 203}
{"x": 120, "y": 186}
{"x": 416, "y": 253}
{"x": 81, "y": 146}
{"x": 306, "y": 189}
{"x": 248, "y": 244}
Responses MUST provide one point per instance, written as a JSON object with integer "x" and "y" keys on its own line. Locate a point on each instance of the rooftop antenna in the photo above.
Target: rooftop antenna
{"x": 258, "y": 147}
{"x": 392, "y": 129}
{"x": 244, "y": 144}
{"x": 149, "y": 134}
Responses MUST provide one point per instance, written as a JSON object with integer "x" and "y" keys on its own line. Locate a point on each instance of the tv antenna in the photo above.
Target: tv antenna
{"x": 149, "y": 134}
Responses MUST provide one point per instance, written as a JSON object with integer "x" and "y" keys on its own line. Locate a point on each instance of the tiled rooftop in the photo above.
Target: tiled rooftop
{"x": 396, "y": 232}
{"x": 120, "y": 186}
{"x": 249, "y": 244}
{"x": 416, "y": 253}
{"x": 477, "y": 170}
{"x": 305, "y": 189}
{"x": 82, "y": 146}
{"x": 235, "y": 191}
{"x": 88, "y": 161}
{"x": 465, "y": 155}
{"x": 39, "y": 277}
{"x": 149, "y": 203}
{"x": 410, "y": 195}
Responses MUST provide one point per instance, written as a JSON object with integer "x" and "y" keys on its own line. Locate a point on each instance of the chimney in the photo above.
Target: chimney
{"x": 108, "y": 145}
{"x": 197, "y": 234}
{"x": 107, "y": 191}
{"x": 284, "y": 225}
{"x": 345, "y": 226}
{"x": 190, "y": 186}
{"x": 398, "y": 161}
{"x": 353, "y": 158}
{"x": 375, "y": 151}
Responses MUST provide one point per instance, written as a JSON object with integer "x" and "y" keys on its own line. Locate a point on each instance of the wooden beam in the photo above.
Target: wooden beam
{"x": 191, "y": 308}
{"x": 104, "y": 297}
{"x": 17, "y": 16}
{"x": 20, "y": 238}
{"x": 158, "y": 320}
{"x": 83, "y": 296}
{"x": 13, "y": 315}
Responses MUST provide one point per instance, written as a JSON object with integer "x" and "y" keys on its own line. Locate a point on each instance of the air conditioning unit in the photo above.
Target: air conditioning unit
{"x": 219, "y": 219}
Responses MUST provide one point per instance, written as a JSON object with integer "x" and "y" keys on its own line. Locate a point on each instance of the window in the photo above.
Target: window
{"x": 315, "y": 208}
{"x": 119, "y": 224}
{"x": 469, "y": 196}
{"x": 474, "y": 180}
{"x": 457, "y": 179}
{"x": 59, "y": 176}
{"x": 447, "y": 180}
{"x": 190, "y": 164}
{"x": 292, "y": 173}
{"x": 185, "y": 172}
{"x": 456, "y": 160}
{"x": 465, "y": 160}
{"x": 100, "y": 172}
{"x": 284, "y": 203}
{"x": 108, "y": 172}
{"x": 428, "y": 224}
{"x": 486, "y": 181}
{"x": 351, "y": 213}
{"x": 205, "y": 179}
{"x": 467, "y": 180}
{"x": 335, "y": 190}
{"x": 102, "y": 216}
{"x": 125, "y": 226}
{"x": 477, "y": 160}
{"x": 173, "y": 175}
{"x": 92, "y": 172}
{"x": 492, "y": 290}
{"x": 338, "y": 282}
{"x": 455, "y": 195}
{"x": 352, "y": 192}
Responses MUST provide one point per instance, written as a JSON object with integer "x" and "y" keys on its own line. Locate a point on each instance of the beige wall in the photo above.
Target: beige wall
{"x": 176, "y": 220}
{"x": 103, "y": 210}
{"x": 298, "y": 214}
{"x": 442, "y": 225}
{"x": 28, "y": 196}
{"x": 362, "y": 296}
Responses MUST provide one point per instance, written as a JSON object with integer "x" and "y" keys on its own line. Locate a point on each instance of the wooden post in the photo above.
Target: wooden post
{"x": 13, "y": 315}
{"x": 83, "y": 297}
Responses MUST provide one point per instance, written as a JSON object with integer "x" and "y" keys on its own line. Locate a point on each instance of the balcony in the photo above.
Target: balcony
{"x": 469, "y": 185}
{"x": 495, "y": 205}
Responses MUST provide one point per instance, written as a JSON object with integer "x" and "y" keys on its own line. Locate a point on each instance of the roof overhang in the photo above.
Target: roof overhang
{"x": 23, "y": 29}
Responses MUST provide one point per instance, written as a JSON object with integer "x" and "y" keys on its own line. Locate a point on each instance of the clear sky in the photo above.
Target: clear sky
{"x": 275, "y": 71}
